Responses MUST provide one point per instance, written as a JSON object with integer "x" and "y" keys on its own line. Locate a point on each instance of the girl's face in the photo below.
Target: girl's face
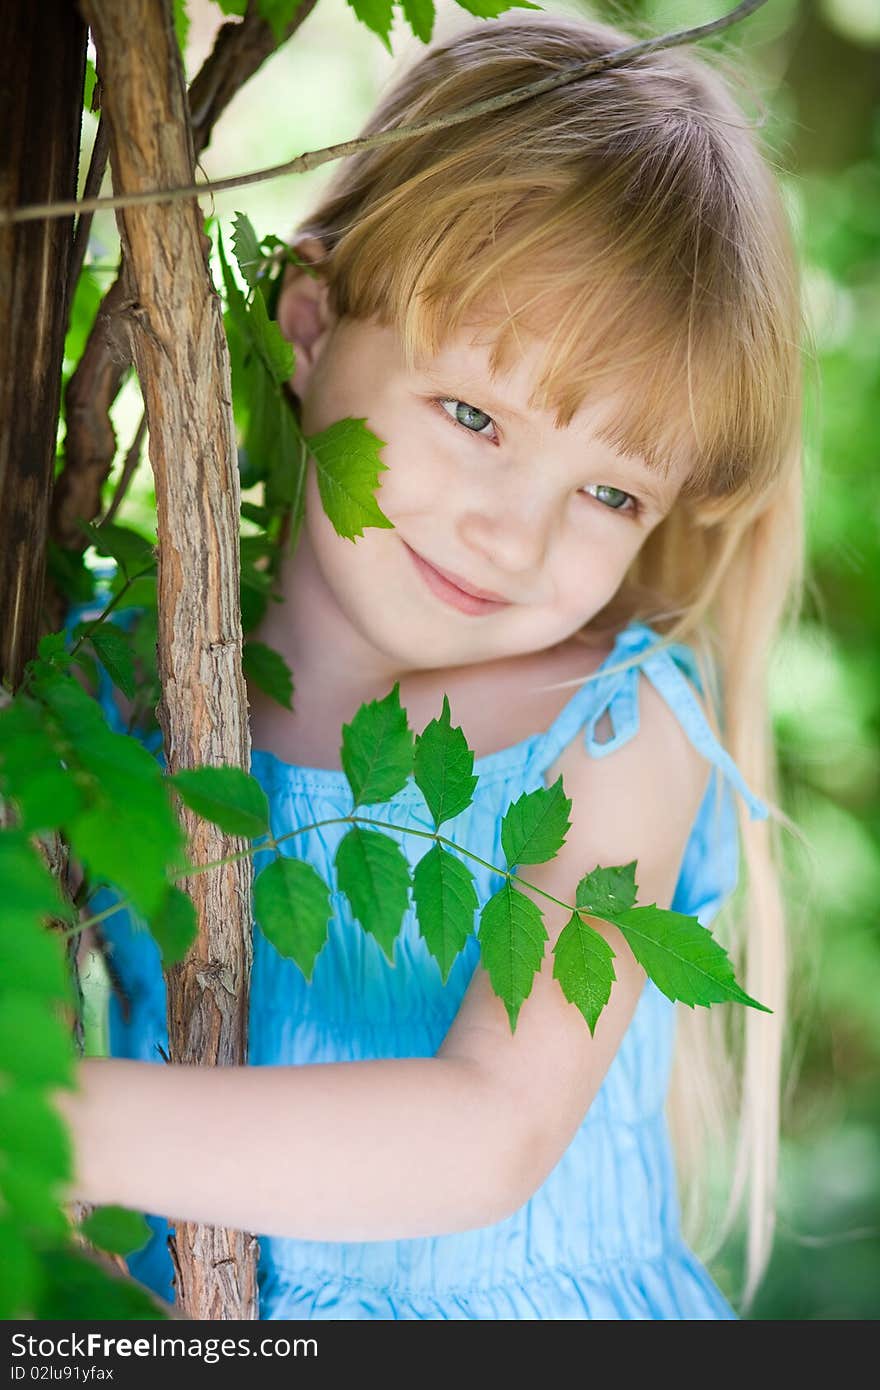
{"x": 509, "y": 533}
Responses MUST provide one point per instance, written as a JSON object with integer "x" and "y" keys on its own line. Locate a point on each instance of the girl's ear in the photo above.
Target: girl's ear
{"x": 304, "y": 313}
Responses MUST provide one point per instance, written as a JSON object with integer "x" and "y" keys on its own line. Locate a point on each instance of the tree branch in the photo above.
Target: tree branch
{"x": 313, "y": 159}
{"x": 180, "y": 352}
{"x": 90, "y": 446}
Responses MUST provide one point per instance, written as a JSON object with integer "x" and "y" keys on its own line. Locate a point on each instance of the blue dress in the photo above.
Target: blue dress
{"x": 600, "y": 1238}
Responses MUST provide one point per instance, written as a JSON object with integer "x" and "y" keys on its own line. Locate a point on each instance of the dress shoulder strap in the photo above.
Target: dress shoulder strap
{"x": 613, "y": 690}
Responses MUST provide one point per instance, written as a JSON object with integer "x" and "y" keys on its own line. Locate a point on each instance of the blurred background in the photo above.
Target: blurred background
{"x": 809, "y": 70}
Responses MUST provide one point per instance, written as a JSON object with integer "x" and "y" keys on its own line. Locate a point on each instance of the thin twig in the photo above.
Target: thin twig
{"x": 313, "y": 159}
{"x": 132, "y": 459}
{"x": 94, "y": 179}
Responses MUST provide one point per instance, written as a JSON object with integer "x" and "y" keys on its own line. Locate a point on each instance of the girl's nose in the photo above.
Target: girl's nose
{"x": 512, "y": 533}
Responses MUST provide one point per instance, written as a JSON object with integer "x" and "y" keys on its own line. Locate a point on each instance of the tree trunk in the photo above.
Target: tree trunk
{"x": 42, "y": 69}
{"x": 179, "y": 350}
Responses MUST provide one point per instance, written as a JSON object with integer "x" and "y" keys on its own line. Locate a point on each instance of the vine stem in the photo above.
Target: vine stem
{"x": 272, "y": 843}
{"x": 314, "y": 158}
{"x": 109, "y": 608}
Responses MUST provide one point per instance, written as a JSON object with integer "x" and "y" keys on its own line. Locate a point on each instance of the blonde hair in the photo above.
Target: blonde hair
{"x": 630, "y": 219}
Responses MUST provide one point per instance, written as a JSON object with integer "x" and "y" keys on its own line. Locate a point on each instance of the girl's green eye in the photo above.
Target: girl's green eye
{"x": 611, "y": 496}
{"x": 467, "y": 415}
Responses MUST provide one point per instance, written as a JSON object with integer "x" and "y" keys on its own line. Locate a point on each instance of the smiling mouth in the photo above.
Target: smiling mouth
{"x": 451, "y": 589}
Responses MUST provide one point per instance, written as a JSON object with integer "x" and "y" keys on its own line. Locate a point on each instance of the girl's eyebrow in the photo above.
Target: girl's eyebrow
{"x": 476, "y": 388}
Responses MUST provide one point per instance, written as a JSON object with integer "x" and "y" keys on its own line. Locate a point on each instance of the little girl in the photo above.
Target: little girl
{"x": 574, "y": 323}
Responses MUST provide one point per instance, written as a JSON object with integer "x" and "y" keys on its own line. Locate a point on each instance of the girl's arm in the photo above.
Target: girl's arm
{"x": 367, "y": 1150}
{"x": 397, "y": 1148}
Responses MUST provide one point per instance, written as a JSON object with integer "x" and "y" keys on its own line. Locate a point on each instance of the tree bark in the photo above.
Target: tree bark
{"x": 179, "y": 350}
{"x": 239, "y": 50}
{"x": 42, "y": 69}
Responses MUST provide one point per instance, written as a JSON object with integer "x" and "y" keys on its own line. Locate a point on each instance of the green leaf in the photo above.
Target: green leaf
{"x": 140, "y": 593}
{"x": 131, "y": 551}
{"x": 226, "y": 796}
{"x": 605, "y": 892}
{"x": 232, "y": 6}
{"x": 348, "y": 467}
{"x": 252, "y": 511}
{"x": 33, "y": 1133}
{"x": 18, "y": 1272}
{"x": 35, "y": 1049}
{"x": 421, "y": 15}
{"x": 72, "y": 1286}
{"x": 77, "y": 713}
{"x": 131, "y": 807}
{"x": 29, "y": 890}
{"x": 292, "y": 908}
{"x": 114, "y": 652}
{"x": 377, "y": 15}
{"x": 535, "y": 826}
{"x": 377, "y": 750}
{"x": 583, "y": 968}
{"x": 682, "y": 957}
{"x": 253, "y": 606}
{"x": 374, "y": 876}
{"x": 52, "y": 647}
{"x": 31, "y": 772}
{"x": 268, "y": 669}
{"x": 68, "y": 570}
{"x": 89, "y": 85}
{"x": 491, "y": 9}
{"x": 445, "y": 901}
{"x": 512, "y": 937}
{"x": 443, "y": 767}
{"x": 286, "y": 461}
{"x": 236, "y": 303}
{"x": 278, "y": 14}
{"x": 116, "y": 1229}
{"x": 181, "y": 24}
{"x": 275, "y": 351}
{"x": 34, "y": 1201}
{"x": 174, "y": 926}
{"x": 31, "y": 957}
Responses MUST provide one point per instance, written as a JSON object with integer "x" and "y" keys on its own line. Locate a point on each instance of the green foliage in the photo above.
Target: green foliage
{"x": 32, "y": 1132}
{"x": 374, "y": 876}
{"x": 89, "y": 86}
{"x": 227, "y": 796}
{"x": 247, "y": 249}
{"x": 68, "y": 1283}
{"x": 491, "y": 9}
{"x": 377, "y": 15}
{"x": 277, "y": 13}
{"x": 377, "y": 750}
{"x": 512, "y": 937}
{"x": 19, "y": 1271}
{"x": 133, "y": 553}
{"x": 582, "y": 965}
{"x": 420, "y": 15}
{"x": 682, "y": 957}
{"x": 181, "y": 24}
{"x": 268, "y": 669}
{"x": 114, "y": 651}
{"x": 535, "y": 826}
{"x": 292, "y": 906}
{"x": 348, "y": 467}
{"x": 47, "y": 1059}
{"x": 116, "y": 1230}
{"x": 174, "y": 925}
{"x": 445, "y": 900}
{"x": 444, "y": 768}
